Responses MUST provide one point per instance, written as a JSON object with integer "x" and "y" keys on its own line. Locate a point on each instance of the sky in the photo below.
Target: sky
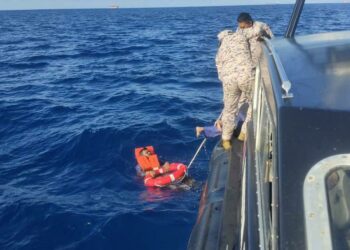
{"x": 64, "y": 4}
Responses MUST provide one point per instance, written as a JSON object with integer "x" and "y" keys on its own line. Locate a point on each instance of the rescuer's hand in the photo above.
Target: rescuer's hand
{"x": 218, "y": 125}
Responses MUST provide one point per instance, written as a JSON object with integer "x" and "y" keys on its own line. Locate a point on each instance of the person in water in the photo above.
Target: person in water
{"x": 149, "y": 165}
{"x": 148, "y": 162}
{"x": 235, "y": 70}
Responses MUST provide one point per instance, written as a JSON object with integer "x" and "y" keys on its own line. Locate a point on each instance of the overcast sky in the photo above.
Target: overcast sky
{"x": 58, "y": 4}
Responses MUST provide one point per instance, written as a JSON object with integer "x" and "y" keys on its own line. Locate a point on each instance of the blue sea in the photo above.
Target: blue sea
{"x": 80, "y": 89}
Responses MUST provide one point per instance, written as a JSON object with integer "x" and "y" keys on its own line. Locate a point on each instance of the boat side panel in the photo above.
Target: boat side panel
{"x": 205, "y": 234}
{"x": 252, "y": 236}
{"x": 231, "y": 216}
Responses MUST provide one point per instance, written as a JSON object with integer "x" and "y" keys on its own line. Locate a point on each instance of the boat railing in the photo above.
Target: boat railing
{"x": 265, "y": 165}
{"x": 286, "y": 84}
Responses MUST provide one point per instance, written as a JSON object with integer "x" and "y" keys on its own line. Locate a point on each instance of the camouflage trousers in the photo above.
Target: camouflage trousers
{"x": 237, "y": 91}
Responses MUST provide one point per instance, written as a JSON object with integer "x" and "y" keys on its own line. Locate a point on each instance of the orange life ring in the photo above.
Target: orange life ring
{"x": 177, "y": 171}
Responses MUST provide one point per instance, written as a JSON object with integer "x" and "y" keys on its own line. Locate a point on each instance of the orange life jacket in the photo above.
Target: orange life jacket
{"x": 147, "y": 163}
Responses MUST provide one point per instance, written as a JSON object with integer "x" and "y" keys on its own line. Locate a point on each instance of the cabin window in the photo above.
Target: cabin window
{"x": 338, "y": 191}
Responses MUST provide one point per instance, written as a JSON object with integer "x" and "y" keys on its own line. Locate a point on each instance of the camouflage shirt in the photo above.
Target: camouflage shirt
{"x": 233, "y": 56}
{"x": 252, "y": 34}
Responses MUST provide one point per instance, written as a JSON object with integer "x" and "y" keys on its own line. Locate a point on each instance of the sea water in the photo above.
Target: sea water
{"x": 80, "y": 89}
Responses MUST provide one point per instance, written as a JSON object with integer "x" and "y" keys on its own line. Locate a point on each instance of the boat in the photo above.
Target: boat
{"x": 287, "y": 186}
{"x": 114, "y": 6}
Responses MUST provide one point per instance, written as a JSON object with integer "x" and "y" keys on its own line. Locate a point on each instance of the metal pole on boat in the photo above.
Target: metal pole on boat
{"x": 293, "y": 23}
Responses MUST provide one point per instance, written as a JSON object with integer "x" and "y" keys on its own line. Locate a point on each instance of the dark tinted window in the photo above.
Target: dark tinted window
{"x": 338, "y": 189}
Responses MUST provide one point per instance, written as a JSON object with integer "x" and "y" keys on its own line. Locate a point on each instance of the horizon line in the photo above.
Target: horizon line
{"x": 163, "y": 7}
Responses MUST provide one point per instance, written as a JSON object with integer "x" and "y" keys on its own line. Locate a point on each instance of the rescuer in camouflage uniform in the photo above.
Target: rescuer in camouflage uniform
{"x": 253, "y": 31}
{"x": 235, "y": 69}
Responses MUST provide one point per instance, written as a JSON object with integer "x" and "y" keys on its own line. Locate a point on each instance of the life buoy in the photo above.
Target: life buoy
{"x": 177, "y": 172}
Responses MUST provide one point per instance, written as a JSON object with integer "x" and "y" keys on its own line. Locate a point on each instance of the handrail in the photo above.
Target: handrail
{"x": 286, "y": 84}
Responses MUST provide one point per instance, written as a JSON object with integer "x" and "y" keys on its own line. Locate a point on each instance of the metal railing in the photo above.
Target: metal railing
{"x": 286, "y": 84}
{"x": 265, "y": 131}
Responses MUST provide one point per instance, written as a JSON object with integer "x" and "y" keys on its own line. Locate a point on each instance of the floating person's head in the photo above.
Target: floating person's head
{"x": 245, "y": 20}
{"x": 145, "y": 152}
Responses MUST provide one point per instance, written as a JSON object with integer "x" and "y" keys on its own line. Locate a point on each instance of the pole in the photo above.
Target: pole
{"x": 293, "y": 23}
{"x": 198, "y": 150}
{"x": 200, "y": 147}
